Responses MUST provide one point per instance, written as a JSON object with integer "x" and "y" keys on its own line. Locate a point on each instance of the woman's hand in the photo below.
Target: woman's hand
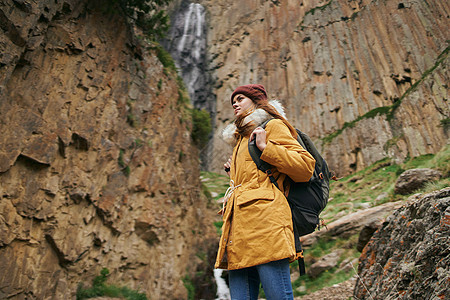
{"x": 260, "y": 135}
{"x": 227, "y": 166}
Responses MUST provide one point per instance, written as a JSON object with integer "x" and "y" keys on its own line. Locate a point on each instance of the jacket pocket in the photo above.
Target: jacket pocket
{"x": 247, "y": 196}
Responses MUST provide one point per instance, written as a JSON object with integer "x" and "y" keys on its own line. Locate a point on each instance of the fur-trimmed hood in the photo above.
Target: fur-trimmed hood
{"x": 258, "y": 117}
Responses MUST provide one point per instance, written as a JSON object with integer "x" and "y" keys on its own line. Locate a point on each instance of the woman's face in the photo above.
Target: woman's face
{"x": 241, "y": 104}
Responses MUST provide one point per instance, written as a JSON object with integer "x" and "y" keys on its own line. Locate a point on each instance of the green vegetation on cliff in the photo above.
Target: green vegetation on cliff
{"x": 389, "y": 110}
{"x": 201, "y": 127}
{"x": 375, "y": 184}
{"x": 100, "y": 288}
{"x": 147, "y": 14}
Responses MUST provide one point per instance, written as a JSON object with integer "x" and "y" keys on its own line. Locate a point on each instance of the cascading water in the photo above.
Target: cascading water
{"x": 196, "y": 16}
{"x": 186, "y": 43}
{"x": 223, "y": 292}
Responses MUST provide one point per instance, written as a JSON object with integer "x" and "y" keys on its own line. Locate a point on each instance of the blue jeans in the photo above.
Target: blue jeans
{"x": 274, "y": 277}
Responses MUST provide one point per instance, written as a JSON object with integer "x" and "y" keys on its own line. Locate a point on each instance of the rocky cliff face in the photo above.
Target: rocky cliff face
{"x": 365, "y": 79}
{"x": 409, "y": 256}
{"x": 94, "y": 152}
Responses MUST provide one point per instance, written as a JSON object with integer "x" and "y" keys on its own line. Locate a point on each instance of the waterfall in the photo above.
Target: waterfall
{"x": 186, "y": 42}
{"x": 195, "y": 15}
{"x": 187, "y": 45}
{"x": 223, "y": 292}
{"x": 192, "y": 47}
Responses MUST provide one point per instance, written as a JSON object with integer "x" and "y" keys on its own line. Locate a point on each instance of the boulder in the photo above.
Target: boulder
{"x": 414, "y": 179}
{"x": 352, "y": 223}
{"x": 409, "y": 256}
{"x": 325, "y": 263}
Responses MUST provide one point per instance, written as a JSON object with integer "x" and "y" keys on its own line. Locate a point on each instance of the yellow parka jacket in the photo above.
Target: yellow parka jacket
{"x": 257, "y": 223}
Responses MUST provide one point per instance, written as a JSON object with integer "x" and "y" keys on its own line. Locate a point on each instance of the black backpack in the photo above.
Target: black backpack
{"x": 306, "y": 199}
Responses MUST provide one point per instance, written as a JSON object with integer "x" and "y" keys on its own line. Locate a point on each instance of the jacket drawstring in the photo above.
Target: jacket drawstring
{"x": 228, "y": 194}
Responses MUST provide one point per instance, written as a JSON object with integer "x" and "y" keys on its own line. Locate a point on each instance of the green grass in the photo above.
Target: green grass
{"x": 201, "y": 127}
{"x": 370, "y": 114}
{"x": 443, "y": 56}
{"x": 164, "y": 57}
{"x": 312, "y": 11}
{"x": 348, "y": 194}
{"x": 440, "y": 161}
{"x": 187, "y": 281}
{"x": 326, "y": 279}
{"x": 324, "y": 246}
{"x": 445, "y": 123}
{"x": 362, "y": 188}
{"x": 100, "y": 288}
{"x": 218, "y": 225}
{"x": 215, "y": 184}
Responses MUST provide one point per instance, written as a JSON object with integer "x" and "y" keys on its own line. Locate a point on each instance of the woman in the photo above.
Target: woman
{"x": 257, "y": 241}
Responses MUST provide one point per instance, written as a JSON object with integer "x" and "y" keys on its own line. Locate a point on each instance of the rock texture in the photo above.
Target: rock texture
{"x": 367, "y": 232}
{"x": 409, "y": 257}
{"x": 94, "y": 148}
{"x": 365, "y": 79}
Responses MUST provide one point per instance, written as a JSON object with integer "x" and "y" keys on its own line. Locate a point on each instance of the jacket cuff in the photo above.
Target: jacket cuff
{"x": 269, "y": 153}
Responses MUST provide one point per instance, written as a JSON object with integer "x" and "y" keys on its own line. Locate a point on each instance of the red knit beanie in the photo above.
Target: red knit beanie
{"x": 253, "y": 91}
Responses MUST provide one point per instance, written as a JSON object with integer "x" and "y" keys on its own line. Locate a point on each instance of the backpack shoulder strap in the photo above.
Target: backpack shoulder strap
{"x": 306, "y": 142}
{"x": 255, "y": 153}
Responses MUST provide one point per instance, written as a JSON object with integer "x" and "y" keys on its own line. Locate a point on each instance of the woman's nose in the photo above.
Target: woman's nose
{"x": 234, "y": 104}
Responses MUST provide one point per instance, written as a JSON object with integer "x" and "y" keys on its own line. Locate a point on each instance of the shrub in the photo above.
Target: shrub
{"x": 189, "y": 285}
{"x": 100, "y": 288}
{"x": 201, "y": 127}
{"x": 147, "y": 14}
{"x": 445, "y": 123}
{"x": 165, "y": 58}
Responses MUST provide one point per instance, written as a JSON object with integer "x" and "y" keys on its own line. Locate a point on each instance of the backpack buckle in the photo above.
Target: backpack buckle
{"x": 322, "y": 224}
